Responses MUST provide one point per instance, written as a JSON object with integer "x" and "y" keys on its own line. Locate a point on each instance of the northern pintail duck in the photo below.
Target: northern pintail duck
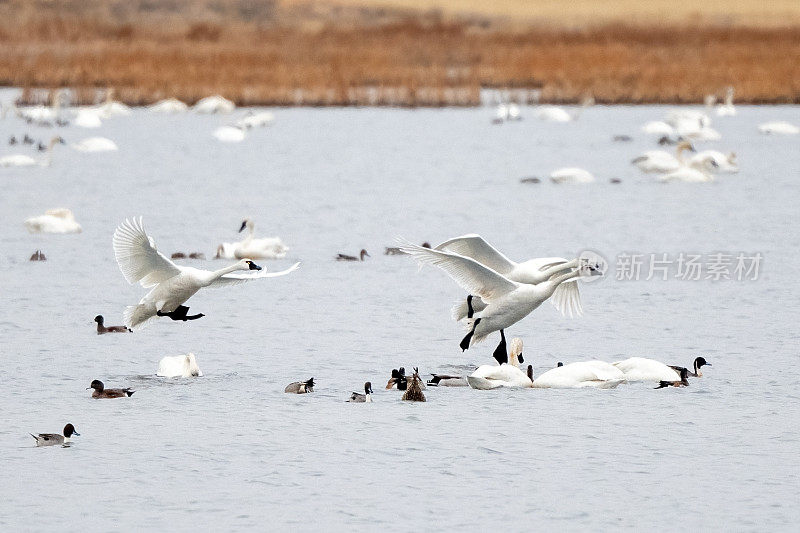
{"x": 345, "y": 257}
{"x": 414, "y": 391}
{"x": 300, "y": 387}
{"x": 107, "y": 329}
{"x": 357, "y": 397}
{"x": 684, "y": 382}
{"x": 399, "y": 380}
{"x": 51, "y": 439}
{"x": 101, "y": 392}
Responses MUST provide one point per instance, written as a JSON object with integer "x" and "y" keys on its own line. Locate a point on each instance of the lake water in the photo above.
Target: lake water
{"x": 231, "y": 451}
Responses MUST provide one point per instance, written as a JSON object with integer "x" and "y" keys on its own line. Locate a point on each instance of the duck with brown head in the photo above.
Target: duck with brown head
{"x": 101, "y": 392}
{"x": 101, "y": 328}
{"x": 345, "y": 257}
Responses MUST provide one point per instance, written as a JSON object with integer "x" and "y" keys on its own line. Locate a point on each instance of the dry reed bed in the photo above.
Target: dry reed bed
{"x": 410, "y": 63}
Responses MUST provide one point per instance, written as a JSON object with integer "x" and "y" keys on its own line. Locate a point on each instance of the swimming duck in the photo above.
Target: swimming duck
{"x": 179, "y": 366}
{"x": 38, "y": 256}
{"x": 399, "y": 380}
{"x": 414, "y": 391}
{"x": 699, "y": 362}
{"x": 12, "y": 141}
{"x": 300, "y": 387}
{"x": 110, "y": 329}
{"x": 357, "y": 397}
{"x": 445, "y": 380}
{"x": 51, "y": 439}
{"x": 345, "y": 257}
{"x": 101, "y": 392}
{"x": 684, "y": 381}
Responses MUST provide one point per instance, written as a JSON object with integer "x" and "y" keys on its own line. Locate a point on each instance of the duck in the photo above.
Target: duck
{"x": 727, "y": 109}
{"x": 724, "y": 162}
{"x": 229, "y": 134}
{"x": 506, "y": 374}
{"x": 300, "y": 387}
{"x": 778, "y": 127}
{"x": 582, "y": 374}
{"x": 447, "y": 380}
{"x": 52, "y": 439}
{"x": 95, "y": 144}
{"x": 399, "y": 380}
{"x": 683, "y": 382}
{"x": 101, "y": 392}
{"x": 659, "y": 161}
{"x": 644, "y": 369}
{"x": 170, "y": 285}
{"x": 357, "y": 397}
{"x": 21, "y": 160}
{"x": 101, "y": 329}
{"x": 169, "y": 106}
{"x": 571, "y": 175}
{"x": 192, "y": 255}
{"x": 414, "y": 391}
{"x": 507, "y": 301}
{"x": 60, "y": 220}
{"x": 345, "y": 257}
{"x": 566, "y": 299}
{"x": 38, "y": 256}
{"x": 179, "y": 366}
{"x": 12, "y": 141}
{"x": 214, "y": 104}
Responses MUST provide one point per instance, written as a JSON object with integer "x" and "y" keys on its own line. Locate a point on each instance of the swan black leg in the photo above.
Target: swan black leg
{"x": 470, "y": 310}
{"x": 466, "y": 340}
{"x": 180, "y": 313}
{"x": 500, "y": 353}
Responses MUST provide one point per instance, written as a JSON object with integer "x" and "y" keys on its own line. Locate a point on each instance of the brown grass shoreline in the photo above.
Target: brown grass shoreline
{"x": 403, "y": 61}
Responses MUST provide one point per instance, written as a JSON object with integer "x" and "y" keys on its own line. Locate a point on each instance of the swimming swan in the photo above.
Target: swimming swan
{"x": 727, "y": 109}
{"x": 59, "y": 220}
{"x": 566, "y": 298}
{"x": 179, "y": 366}
{"x": 596, "y": 374}
{"x": 169, "y": 106}
{"x": 724, "y": 162}
{"x": 255, "y": 120}
{"x": 552, "y": 113}
{"x": 571, "y": 175}
{"x": 507, "y": 301}
{"x": 19, "y": 160}
{"x": 95, "y": 144}
{"x": 507, "y": 374}
{"x": 252, "y": 248}
{"x": 659, "y": 161}
{"x": 229, "y": 134}
{"x": 172, "y": 285}
{"x": 643, "y": 369}
{"x": 778, "y": 127}
{"x": 214, "y": 104}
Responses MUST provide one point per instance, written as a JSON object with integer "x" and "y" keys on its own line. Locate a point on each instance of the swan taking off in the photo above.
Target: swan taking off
{"x": 95, "y": 144}
{"x": 214, "y": 104}
{"x": 59, "y": 220}
{"x": 179, "y": 366}
{"x": 170, "y": 284}
{"x": 19, "y": 160}
{"x": 252, "y": 248}
{"x": 566, "y": 298}
{"x": 507, "y": 301}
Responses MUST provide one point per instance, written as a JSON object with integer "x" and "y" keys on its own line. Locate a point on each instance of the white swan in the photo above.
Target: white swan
{"x": 724, "y": 162}
{"x": 214, "y": 104}
{"x": 20, "y": 160}
{"x": 110, "y": 108}
{"x": 87, "y": 118}
{"x": 59, "y": 220}
{"x": 169, "y": 106}
{"x": 250, "y": 247}
{"x": 778, "y": 127}
{"x": 514, "y": 112}
{"x": 571, "y": 175}
{"x": 507, "y": 301}
{"x": 41, "y": 114}
{"x": 95, "y": 144}
{"x": 566, "y": 298}
{"x": 690, "y": 174}
{"x": 658, "y": 127}
{"x": 229, "y": 134}
{"x": 179, "y": 366}
{"x": 659, "y": 161}
{"x": 678, "y": 117}
{"x": 727, "y": 109}
{"x": 551, "y": 113}
{"x": 172, "y": 285}
{"x": 507, "y": 374}
{"x": 255, "y": 120}
{"x": 597, "y": 374}
{"x": 643, "y": 369}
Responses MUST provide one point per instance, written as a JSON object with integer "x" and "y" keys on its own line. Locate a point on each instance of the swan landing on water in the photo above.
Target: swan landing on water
{"x": 171, "y": 285}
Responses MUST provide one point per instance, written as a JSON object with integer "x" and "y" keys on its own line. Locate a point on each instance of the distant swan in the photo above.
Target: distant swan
{"x": 171, "y": 285}
{"x": 727, "y": 109}
{"x": 688, "y": 175}
{"x": 59, "y": 220}
{"x": 88, "y": 118}
{"x": 255, "y": 120}
{"x": 252, "y": 248}
{"x": 552, "y": 113}
{"x": 179, "y": 366}
{"x": 170, "y": 105}
{"x": 571, "y": 175}
{"x": 27, "y": 161}
{"x": 778, "y": 127}
{"x": 95, "y": 144}
{"x": 214, "y": 104}
{"x": 111, "y": 108}
{"x": 229, "y": 134}
{"x": 724, "y": 162}
{"x": 659, "y": 161}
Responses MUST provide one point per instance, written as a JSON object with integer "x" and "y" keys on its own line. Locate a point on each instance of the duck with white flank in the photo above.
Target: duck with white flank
{"x": 101, "y": 392}
{"x": 52, "y": 439}
{"x": 101, "y": 329}
{"x": 300, "y": 387}
{"x": 171, "y": 285}
{"x": 357, "y": 397}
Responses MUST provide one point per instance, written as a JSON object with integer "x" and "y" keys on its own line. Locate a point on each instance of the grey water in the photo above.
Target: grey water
{"x": 230, "y": 450}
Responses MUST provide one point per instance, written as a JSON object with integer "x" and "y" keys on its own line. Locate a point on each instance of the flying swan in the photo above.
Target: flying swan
{"x": 170, "y": 284}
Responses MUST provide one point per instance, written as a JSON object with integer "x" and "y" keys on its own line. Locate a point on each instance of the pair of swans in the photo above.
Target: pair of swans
{"x": 252, "y": 248}
{"x": 506, "y": 112}
{"x": 21, "y": 160}
{"x": 59, "y": 220}
{"x": 595, "y": 374}
{"x": 676, "y": 168}
{"x": 684, "y": 123}
{"x": 170, "y": 284}
{"x": 501, "y": 292}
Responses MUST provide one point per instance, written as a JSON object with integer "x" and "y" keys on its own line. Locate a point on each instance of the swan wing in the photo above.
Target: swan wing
{"x": 137, "y": 256}
{"x": 235, "y": 278}
{"x": 475, "y": 247}
{"x": 473, "y": 277}
{"x": 567, "y": 299}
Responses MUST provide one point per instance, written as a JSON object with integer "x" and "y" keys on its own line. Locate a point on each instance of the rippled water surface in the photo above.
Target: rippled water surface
{"x": 231, "y": 451}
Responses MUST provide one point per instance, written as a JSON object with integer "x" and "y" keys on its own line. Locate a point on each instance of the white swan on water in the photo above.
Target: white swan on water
{"x": 179, "y": 366}
{"x": 778, "y": 127}
{"x": 250, "y": 247}
{"x": 171, "y": 285}
{"x": 725, "y": 162}
{"x": 59, "y": 220}
{"x": 571, "y": 175}
{"x": 643, "y": 369}
{"x": 214, "y": 104}
{"x": 727, "y": 109}
{"x": 95, "y": 144}
{"x": 596, "y": 374}
{"x": 87, "y": 118}
{"x": 566, "y": 298}
{"x": 507, "y": 301}
{"x": 21, "y": 160}
{"x": 169, "y": 106}
{"x": 507, "y": 374}
{"x": 255, "y": 120}
{"x": 659, "y": 161}
{"x": 698, "y": 173}
{"x": 229, "y": 134}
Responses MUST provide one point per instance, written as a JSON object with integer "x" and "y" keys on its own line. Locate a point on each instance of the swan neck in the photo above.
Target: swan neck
{"x": 555, "y": 269}
{"x": 222, "y": 271}
{"x": 565, "y": 277}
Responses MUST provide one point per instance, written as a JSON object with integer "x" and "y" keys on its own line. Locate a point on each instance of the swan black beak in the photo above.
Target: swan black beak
{"x": 520, "y": 358}
{"x": 244, "y": 225}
